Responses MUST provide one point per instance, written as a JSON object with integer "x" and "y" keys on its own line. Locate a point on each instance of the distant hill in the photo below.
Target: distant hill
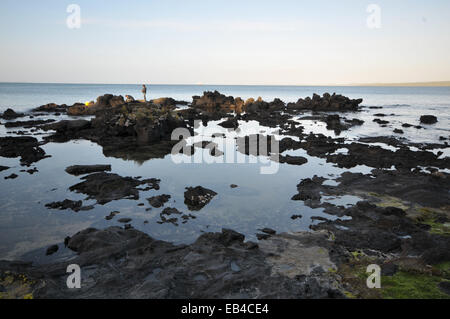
{"x": 438, "y": 83}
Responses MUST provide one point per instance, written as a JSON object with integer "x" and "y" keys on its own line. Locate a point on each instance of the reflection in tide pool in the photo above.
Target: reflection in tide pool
{"x": 259, "y": 201}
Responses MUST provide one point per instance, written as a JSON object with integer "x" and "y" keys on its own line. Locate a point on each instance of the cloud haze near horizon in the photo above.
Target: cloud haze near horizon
{"x": 282, "y": 42}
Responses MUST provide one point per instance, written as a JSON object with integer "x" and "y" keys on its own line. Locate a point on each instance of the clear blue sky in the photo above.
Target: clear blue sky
{"x": 225, "y": 42}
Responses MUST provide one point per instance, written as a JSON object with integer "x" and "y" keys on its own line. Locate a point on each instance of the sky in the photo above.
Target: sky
{"x": 245, "y": 42}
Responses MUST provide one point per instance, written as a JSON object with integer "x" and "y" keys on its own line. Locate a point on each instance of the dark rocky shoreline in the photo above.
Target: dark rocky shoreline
{"x": 402, "y": 224}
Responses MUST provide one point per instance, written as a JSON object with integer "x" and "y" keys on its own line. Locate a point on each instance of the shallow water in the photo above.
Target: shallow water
{"x": 27, "y": 228}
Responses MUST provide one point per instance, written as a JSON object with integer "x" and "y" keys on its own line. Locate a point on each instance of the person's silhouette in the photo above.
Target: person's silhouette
{"x": 144, "y": 91}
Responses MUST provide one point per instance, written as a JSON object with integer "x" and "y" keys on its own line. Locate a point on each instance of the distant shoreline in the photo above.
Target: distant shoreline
{"x": 411, "y": 84}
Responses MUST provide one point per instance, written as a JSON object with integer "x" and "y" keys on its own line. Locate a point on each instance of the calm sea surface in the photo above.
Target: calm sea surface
{"x": 27, "y": 228}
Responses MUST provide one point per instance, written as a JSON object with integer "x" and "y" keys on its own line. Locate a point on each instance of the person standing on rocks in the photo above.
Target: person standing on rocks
{"x": 144, "y": 91}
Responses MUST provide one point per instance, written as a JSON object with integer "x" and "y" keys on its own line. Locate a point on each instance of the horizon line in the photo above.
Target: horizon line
{"x": 393, "y": 84}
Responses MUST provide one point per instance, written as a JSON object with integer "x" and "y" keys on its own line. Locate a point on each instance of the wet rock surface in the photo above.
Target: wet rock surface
{"x": 106, "y": 187}
{"x": 158, "y": 201}
{"x": 327, "y": 102}
{"x": 51, "y": 107}
{"x": 217, "y": 265}
{"x": 400, "y": 223}
{"x": 51, "y": 250}
{"x": 27, "y": 124}
{"x": 76, "y": 206}
{"x": 87, "y": 169}
{"x": 4, "y": 168}
{"x": 198, "y": 197}
{"x": 424, "y": 189}
{"x": 136, "y": 129}
{"x": 428, "y": 119}
{"x": 10, "y": 114}
{"x": 25, "y": 147}
{"x": 66, "y": 204}
{"x": 12, "y": 176}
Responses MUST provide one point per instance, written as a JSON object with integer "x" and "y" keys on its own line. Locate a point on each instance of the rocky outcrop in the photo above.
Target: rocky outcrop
{"x": 428, "y": 119}
{"x": 213, "y": 101}
{"x": 76, "y": 206}
{"x": 25, "y": 147}
{"x": 4, "y": 168}
{"x": 103, "y": 102}
{"x": 80, "y": 109}
{"x": 293, "y": 160}
{"x": 106, "y": 187}
{"x": 198, "y": 197}
{"x": 231, "y": 122}
{"x": 158, "y": 201}
{"x": 260, "y": 106}
{"x": 333, "y": 103}
{"x": 109, "y": 100}
{"x": 87, "y": 169}
{"x": 10, "y": 114}
{"x": 319, "y": 145}
{"x": 28, "y": 124}
{"x": 167, "y": 102}
{"x": 133, "y": 131}
{"x": 51, "y": 107}
{"x": 130, "y": 264}
{"x": 66, "y": 129}
{"x": 337, "y": 124}
{"x": 386, "y": 230}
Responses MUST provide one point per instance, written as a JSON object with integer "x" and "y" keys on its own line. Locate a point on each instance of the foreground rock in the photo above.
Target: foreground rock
{"x": 428, "y": 190}
{"x": 387, "y": 230}
{"x": 130, "y": 264}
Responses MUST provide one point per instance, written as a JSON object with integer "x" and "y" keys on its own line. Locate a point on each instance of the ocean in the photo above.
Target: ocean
{"x": 27, "y": 227}
{"x": 24, "y": 96}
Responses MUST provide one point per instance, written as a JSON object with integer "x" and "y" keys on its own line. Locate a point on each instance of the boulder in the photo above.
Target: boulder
{"x": 334, "y": 102}
{"x": 165, "y": 102}
{"x": 231, "y": 122}
{"x": 213, "y": 101}
{"x": 51, "y": 107}
{"x": 25, "y": 147}
{"x": 109, "y": 100}
{"x": 79, "y": 109}
{"x": 51, "y": 250}
{"x": 10, "y": 114}
{"x": 428, "y": 119}
{"x": 198, "y": 197}
{"x": 158, "y": 201}
{"x": 129, "y": 99}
